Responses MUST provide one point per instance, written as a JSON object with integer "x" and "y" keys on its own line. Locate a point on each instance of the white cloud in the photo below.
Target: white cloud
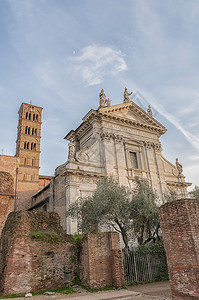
{"x": 96, "y": 62}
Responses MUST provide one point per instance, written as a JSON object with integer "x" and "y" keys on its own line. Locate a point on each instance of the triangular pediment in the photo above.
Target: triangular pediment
{"x": 128, "y": 114}
{"x": 131, "y": 112}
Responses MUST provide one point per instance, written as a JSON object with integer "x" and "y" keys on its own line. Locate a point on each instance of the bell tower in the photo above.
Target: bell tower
{"x": 28, "y": 151}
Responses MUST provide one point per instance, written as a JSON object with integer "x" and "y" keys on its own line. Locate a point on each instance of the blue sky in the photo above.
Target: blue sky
{"x": 59, "y": 54}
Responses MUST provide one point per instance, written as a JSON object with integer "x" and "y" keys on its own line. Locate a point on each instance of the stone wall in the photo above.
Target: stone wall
{"x": 179, "y": 222}
{"x": 6, "y": 197}
{"x": 35, "y": 252}
{"x": 101, "y": 261}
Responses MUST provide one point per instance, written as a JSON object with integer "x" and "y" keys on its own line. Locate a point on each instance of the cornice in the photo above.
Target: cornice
{"x": 177, "y": 183}
{"x": 106, "y": 113}
{"x": 82, "y": 173}
{"x": 135, "y": 108}
{"x": 137, "y": 124}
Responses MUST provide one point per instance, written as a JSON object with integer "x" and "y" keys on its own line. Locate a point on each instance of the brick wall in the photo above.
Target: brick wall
{"x": 180, "y": 228}
{"x": 9, "y": 164}
{"x": 27, "y": 265}
{"x": 101, "y": 261}
{"x": 6, "y": 196}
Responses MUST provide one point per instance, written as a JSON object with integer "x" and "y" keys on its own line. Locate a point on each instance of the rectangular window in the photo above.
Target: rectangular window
{"x": 133, "y": 158}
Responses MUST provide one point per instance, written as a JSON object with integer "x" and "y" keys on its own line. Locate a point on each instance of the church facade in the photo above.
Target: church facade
{"x": 120, "y": 140}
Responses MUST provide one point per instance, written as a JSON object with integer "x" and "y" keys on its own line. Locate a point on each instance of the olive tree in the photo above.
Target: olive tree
{"x": 109, "y": 207}
{"x": 144, "y": 212}
{"x": 195, "y": 192}
{"x": 114, "y": 206}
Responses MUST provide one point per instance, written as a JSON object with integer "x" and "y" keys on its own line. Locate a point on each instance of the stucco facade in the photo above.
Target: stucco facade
{"x": 120, "y": 140}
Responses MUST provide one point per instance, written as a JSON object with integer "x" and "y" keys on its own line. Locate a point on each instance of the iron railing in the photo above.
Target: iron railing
{"x": 139, "y": 267}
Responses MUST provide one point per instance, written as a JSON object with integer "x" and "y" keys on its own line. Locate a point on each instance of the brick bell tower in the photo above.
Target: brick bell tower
{"x": 28, "y": 151}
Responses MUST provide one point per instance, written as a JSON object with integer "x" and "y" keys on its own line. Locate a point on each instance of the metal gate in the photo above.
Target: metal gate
{"x": 139, "y": 267}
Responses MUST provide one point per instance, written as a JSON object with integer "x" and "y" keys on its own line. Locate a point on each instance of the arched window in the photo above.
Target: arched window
{"x": 33, "y": 131}
{"x": 33, "y": 162}
{"x": 25, "y": 145}
{"x": 34, "y": 146}
{"x": 37, "y": 117}
{"x": 31, "y": 146}
{"x": 25, "y": 161}
{"x": 24, "y": 176}
{"x": 26, "y": 130}
{"x": 33, "y": 117}
{"x": 29, "y": 116}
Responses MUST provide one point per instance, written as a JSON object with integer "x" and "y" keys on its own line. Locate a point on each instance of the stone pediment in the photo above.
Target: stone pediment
{"x": 133, "y": 114}
{"x": 128, "y": 114}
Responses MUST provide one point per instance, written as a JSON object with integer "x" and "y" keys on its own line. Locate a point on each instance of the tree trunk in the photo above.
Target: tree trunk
{"x": 124, "y": 234}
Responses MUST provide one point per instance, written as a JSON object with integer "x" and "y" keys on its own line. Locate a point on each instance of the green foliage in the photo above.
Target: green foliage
{"x": 77, "y": 237}
{"x": 73, "y": 258}
{"x": 115, "y": 207}
{"x": 170, "y": 196}
{"x": 109, "y": 206}
{"x": 12, "y": 296}
{"x": 152, "y": 253}
{"x": 195, "y": 192}
{"x": 62, "y": 290}
{"x": 77, "y": 280}
{"x": 150, "y": 248}
{"x": 144, "y": 212}
{"x": 48, "y": 237}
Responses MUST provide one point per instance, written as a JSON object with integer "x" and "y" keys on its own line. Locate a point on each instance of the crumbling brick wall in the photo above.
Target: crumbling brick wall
{"x": 101, "y": 261}
{"x": 35, "y": 251}
{"x": 179, "y": 222}
{"x": 6, "y": 196}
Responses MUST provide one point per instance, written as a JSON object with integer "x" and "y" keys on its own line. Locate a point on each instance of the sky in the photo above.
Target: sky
{"x": 60, "y": 54}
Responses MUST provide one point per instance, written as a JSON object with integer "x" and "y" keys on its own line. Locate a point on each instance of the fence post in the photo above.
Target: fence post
{"x": 135, "y": 268}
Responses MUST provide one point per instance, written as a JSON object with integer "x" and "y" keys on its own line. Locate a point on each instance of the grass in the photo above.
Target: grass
{"x": 12, "y": 296}
{"x": 62, "y": 290}
{"x": 77, "y": 237}
{"x": 48, "y": 237}
{"x": 107, "y": 288}
{"x": 146, "y": 282}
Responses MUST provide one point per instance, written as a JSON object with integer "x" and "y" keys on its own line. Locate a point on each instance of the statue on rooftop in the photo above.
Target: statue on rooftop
{"x": 179, "y": 167}
{"x": 108, "y": 102}
{"x": 149, "y": 111}
{"x": 126, "y": 95}
{"x": 102, "y": 97}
